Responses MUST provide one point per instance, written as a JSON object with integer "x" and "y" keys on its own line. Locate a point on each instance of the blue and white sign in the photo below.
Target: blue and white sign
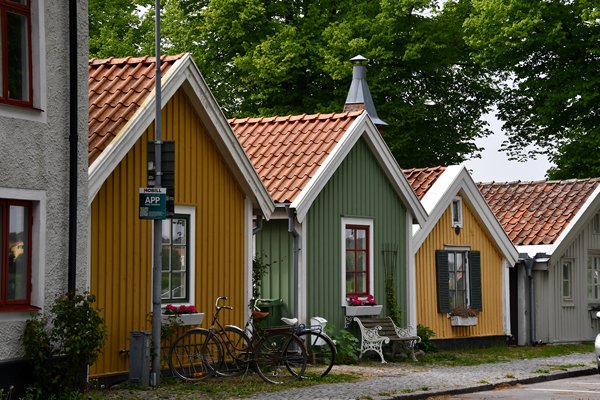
{"x": 153, "y": 203}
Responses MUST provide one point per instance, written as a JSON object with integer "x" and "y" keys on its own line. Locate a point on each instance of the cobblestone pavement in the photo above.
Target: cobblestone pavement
{"x": 401, "y": 380}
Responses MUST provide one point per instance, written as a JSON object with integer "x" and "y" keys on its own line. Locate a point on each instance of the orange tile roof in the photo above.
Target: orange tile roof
{"x": 422, "y": 179}
{"x": 288, "y": 151}
{"x": 536, "y": 213}
{"x": 117, "y": 89}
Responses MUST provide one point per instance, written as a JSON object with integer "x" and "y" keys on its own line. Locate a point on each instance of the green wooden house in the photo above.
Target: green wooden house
{"x": 343, "y": 219}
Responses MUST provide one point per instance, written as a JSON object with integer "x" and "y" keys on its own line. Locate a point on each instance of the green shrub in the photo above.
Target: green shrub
{"x": 346, "y": 346}
{"x": 62, "y": 344}
{"x": 426, "y": 333}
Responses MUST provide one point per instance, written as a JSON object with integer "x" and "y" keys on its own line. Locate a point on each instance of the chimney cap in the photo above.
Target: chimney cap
{"x": 359, "y": 58}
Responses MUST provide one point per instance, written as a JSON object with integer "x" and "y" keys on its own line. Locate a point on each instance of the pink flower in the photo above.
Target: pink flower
{"x": 171, "y": 309}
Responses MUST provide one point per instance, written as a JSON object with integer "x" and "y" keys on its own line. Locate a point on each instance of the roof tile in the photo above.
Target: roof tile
{"x": 287, "y": 151}
{"x": 422, "y": 179}
{"x": 534, "y": 213}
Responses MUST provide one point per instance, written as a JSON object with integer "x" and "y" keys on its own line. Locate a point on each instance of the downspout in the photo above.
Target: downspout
{"x": 529, "y": 270}
{"x": 259, "y": 225}
{"x": 73, "y": 143}
{"x": 296, "y": 250}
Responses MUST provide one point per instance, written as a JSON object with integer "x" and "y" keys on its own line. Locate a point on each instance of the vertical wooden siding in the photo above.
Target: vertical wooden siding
{"x": 558, "y": 320}
{"x": 121, "y": 251}
{"x": 275, "y": 243}
{"x": 490, "y": 320}
{"x": 359, "y": 188}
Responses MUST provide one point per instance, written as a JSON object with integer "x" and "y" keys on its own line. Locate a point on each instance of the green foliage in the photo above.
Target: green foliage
{"x": 259, "y": 269}
{"x": 426, "y": 333}
{"x": 263, "y": 57}
{"x": 547, "y": 54}
{"x": 346, "y": 345}
{"x": 62, "y": 344}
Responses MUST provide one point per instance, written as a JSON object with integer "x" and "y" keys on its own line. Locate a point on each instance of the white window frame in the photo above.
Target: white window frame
{"x": 456, "y": 206}
{"x": 593, "y": 277}
{"x": 564, "y": 262}
{"x": 371, "y": 270}
{"x": 38, "y": 255}
{"x": 191, "y": 212}
{"x": 38, "y": 69}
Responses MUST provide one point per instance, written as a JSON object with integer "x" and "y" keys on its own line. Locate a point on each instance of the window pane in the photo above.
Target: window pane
{"x": 18, "y": 253}
{"x": 361, "y": 239}
{"x": 178, "y": 258}
{"x": 166, "y": 231}
{"x": 350, "y": 261}
{"x": 1, "y": 74}
{"x": 350, "y": 283}
{"x": 165, "y": 285}
{"x": 361, "y": 262}
{"x": 451, "y": 266}
{"x": 459, "y": 262}
{"x": 166, "y": 258}
{"x": 460, "y": 281}
{"x": 179, "y": 231}
{"x": 350, "y": 239}
{"x": 361, "y": 283}
{"x": 178, "y": 286}
{"x": 17, "y": 52}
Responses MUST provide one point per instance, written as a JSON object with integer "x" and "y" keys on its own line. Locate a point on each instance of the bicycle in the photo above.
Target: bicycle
{"x": 278, "y": 356}
{"x": 321, "y": 350}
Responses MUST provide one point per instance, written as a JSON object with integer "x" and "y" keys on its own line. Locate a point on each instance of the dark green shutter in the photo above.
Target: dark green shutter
{"x": 475, "y": 280}
{"x": 443, "y": 290}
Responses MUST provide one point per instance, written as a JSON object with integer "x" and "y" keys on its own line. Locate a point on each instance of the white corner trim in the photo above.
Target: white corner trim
{"x": 411, "y": 280}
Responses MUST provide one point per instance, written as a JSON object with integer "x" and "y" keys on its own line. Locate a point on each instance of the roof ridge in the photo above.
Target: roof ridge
{"x": 541, "y": 181}
{"x": 134, "y": 60}
{"x": 294, "y": 117}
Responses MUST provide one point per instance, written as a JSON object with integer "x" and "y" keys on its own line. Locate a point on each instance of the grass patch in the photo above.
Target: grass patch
{"x": 464, "y": 357}
{"x": 212, "y": 388}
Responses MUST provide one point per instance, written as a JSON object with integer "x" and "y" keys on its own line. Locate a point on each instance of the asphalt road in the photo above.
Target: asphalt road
{"x": 583, "y": 387}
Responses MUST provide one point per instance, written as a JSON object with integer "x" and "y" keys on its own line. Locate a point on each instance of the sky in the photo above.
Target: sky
{"x": 494, "y": 164}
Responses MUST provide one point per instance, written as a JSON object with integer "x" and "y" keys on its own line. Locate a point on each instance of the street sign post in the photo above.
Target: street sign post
{"x": 153, "y": 203}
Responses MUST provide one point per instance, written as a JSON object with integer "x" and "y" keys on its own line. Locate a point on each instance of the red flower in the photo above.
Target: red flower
{"x": 170, "y": 309}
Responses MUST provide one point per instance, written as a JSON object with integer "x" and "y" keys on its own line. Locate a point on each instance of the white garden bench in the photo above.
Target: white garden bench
{"x": 377, "y": 331}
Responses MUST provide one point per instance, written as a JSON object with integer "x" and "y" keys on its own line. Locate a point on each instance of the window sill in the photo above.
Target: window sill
{"x": 463, "y": 321}
{"x": 363, "y": 310}
{"x": 10, "y": 309}
{"x": 183, "y": 319}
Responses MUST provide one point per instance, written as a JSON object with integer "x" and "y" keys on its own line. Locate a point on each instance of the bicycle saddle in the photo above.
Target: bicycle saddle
{"x": 290, "y": 321}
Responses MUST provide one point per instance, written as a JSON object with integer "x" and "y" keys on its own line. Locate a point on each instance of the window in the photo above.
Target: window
{"x": 593, "y": 277}
{"x": 457, "y": 220}
{"x": 15, "y": 54}
{"x": 357, "y": 257}
{"x": 15, "y": 252}
{"x": 567, "y": 282}
{"x": 458, "y": 279}
{"x": 596, "y": 224}
{"x": 175, "y": 259}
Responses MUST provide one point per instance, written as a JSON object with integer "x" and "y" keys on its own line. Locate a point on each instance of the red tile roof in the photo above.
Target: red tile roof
{"x": 288, "y": 151}
{"x": 536, "y": 213}
{"x": 422, "y": 179}
{"x": 117, "y": 89}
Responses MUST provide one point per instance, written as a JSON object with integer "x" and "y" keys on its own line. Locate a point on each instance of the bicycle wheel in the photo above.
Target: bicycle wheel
{"x": 236, "y": 352}
{"x": 320, "y": 352}
{"x": 194, "y": 355}
{"x": 280, "y": 357}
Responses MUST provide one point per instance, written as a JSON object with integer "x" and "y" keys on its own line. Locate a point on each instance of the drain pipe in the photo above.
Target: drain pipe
{"x": 529, "y": 270}
{"x": 296, "y": 250}
{"x": 259, "y": 225}
{"x": 73, "y": 143}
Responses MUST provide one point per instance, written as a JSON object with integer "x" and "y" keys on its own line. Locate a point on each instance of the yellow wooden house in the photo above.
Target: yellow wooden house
{"x": 207, "y": 244}
{"x": 462, "y": 261}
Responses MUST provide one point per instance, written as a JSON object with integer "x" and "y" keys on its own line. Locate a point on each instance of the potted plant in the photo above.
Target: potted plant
{"x": 463, "y": 316}
{"x": 362, "y": 306}
{"x": 183, "y": 315}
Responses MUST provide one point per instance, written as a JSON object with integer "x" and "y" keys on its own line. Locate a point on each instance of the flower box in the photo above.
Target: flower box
{"x": 183, "y": 319}
{"x": 463, "y": 321}
{"x": 363, "y": 310}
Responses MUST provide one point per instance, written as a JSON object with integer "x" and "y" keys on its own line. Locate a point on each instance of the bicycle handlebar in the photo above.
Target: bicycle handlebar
{"x": 217, "y": 307}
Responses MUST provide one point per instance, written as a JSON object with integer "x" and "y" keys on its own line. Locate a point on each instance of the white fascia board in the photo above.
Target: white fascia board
{"x": 532, "y": 250}
{"x": 362, "y": 124}
{"x": 584, "y": 214}
{"x": 183, "y": 73}
{"x": 456, "y": 180}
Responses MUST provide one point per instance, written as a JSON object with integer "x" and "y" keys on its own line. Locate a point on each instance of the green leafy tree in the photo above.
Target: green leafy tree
{"x": 547, "y": 54}
{"x": 272, "y": 57}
